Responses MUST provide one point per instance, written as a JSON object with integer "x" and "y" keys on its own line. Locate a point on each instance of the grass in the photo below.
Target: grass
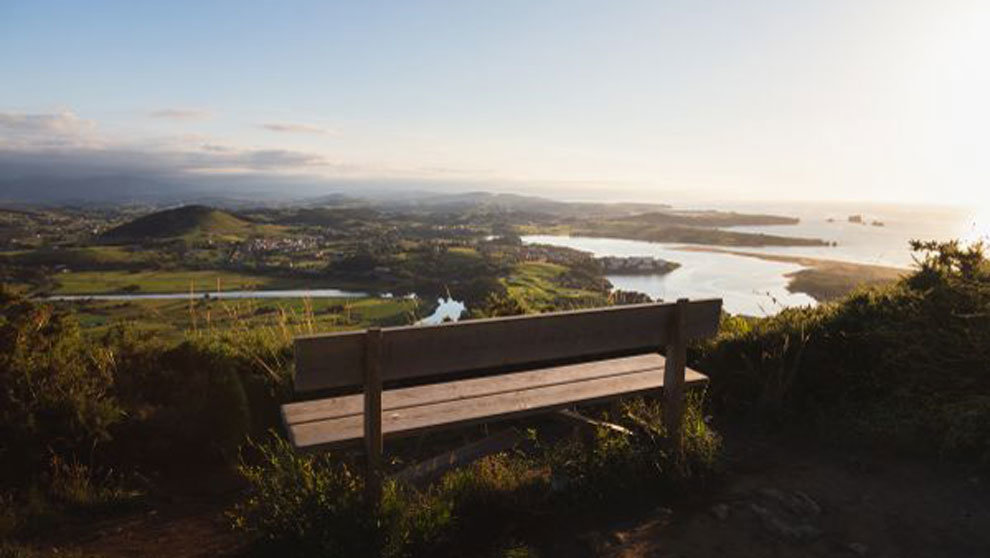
{"x": 536, "y": 287}
{"x": 180, "y": 281}
{"x": 85, "y": 257}
{"x": 175, "y": 317}
{"x": 191, "y": 223}
{"x": 464, "y": 251}
{"x": 314, "y": 504}
{"x": 904, "y": 366}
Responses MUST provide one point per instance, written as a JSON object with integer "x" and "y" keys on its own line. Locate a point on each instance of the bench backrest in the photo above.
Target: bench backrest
{"x": 337, "y": 360}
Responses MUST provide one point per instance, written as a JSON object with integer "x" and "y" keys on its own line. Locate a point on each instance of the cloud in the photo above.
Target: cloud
{"x": 57, "y": 128}
{"x": 182, "y": 114}
{"x": 204, "y": 158}
{"x": 123, "y": 173}
{"x": 290, "y": 128}
{"x": 60, "y": 156}
{"x": 214, "y": 157}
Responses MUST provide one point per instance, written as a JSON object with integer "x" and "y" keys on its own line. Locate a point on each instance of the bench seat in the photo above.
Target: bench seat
{"x": 336, "y": 421}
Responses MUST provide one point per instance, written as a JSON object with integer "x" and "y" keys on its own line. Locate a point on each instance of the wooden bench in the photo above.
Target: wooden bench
{"x": 399, "y": 381}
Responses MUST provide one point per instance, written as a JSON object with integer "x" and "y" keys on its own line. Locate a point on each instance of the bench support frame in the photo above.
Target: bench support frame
{"x": 673, "y": 375}
{"x": 373, "y": 442}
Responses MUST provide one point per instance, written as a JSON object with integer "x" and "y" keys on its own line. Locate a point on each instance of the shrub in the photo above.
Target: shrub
{"x": 306, "y": 504}
{"x": 56, "y": 391}
{"x": 314, "y": 503}
{"x": 641, "y": 467}
{"x": 79, "y": 415}
{"x": 907, "y": 364}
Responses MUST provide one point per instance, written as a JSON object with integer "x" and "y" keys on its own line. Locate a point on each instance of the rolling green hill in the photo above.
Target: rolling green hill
{"x": 186, "y": 221}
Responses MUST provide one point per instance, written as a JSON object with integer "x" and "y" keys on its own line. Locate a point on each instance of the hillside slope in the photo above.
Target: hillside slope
{"x": 185, "y": 221}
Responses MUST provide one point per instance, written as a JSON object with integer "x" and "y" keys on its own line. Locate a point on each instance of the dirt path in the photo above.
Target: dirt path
{"x": 802, "y": 501}
{"x": 181, "y": 530}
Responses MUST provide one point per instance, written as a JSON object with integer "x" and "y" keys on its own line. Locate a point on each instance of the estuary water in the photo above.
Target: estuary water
{"x": 886, "y": 243}
{"x": 758, "y": 287}
{"x": 746, "y": 285}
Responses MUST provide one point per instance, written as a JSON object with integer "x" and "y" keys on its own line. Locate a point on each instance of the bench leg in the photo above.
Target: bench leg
{"x": 373, "y": 417}
{"x": 673, "y": 375}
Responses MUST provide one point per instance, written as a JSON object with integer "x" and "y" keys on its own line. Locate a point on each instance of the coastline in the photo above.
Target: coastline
{"x": 822, "y": 279}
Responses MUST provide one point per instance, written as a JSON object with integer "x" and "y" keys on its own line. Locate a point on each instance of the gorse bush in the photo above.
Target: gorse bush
{"x": 80, "y": 415}
{"x": 56, "y": 390}
{"x": 310, "y": 503}
{"x": 907, "y": 364}
{"x": 203, "y": 395}
{"x": 314, "y": 504}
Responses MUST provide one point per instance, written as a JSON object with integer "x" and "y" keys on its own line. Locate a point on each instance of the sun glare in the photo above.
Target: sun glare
{"x": 980, "y": 226}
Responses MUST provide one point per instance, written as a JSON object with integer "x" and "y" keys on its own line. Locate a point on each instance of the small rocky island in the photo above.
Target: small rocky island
{"x": 860, "y": 220}
{"x": 637, "y": 265}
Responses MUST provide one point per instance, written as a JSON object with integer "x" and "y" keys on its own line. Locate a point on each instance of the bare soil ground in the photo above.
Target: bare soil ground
{"x": 778, "y": 499}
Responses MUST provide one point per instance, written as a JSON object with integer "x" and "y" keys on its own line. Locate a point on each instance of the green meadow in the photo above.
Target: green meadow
{"x": 175, "y": 317}
{"x": 178, "y": 281}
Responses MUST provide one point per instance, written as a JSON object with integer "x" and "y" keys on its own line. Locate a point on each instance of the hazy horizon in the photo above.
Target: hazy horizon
{"x": 650, "y": 101}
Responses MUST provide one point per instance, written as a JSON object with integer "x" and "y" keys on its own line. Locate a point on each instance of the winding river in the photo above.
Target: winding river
{"x": 447, "y": 309}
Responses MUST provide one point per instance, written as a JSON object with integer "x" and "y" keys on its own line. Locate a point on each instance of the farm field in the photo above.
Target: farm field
{"x": 176, "y": 317}
{"x": 175, "y": 281}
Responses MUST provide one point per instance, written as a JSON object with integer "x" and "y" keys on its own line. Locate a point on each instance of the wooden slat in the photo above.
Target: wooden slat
{"x": 412, "y": 352}
{"x": 484, "y": 408}
{"x": 578, "y": 419}
{"x": 334, "y": 361}
{"x": 329, "y": 361}
{"x": 333, "y": 407}
{"x": 435, "y": 466}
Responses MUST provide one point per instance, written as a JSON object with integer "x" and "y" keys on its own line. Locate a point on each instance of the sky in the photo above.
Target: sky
{"x": 655, "y": 100}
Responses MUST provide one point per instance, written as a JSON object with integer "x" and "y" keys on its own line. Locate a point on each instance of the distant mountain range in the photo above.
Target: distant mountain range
{"x": 125, "y": 188}
{"x": 35, "y": 186}
{"x": 635, "y": 221}
{"x": 492, "y": 202}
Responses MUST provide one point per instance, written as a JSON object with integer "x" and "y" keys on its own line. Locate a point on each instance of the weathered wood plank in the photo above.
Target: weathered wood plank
{"x": 323, "y": 409}
{"x": 329, "y": 361}
{"x": 574, "y": 417}
{"x": 484, "y": 408}
{"x": 333, "y": 361}
{"x": 412, "y": 352}
{"x": 435, "y": 466}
